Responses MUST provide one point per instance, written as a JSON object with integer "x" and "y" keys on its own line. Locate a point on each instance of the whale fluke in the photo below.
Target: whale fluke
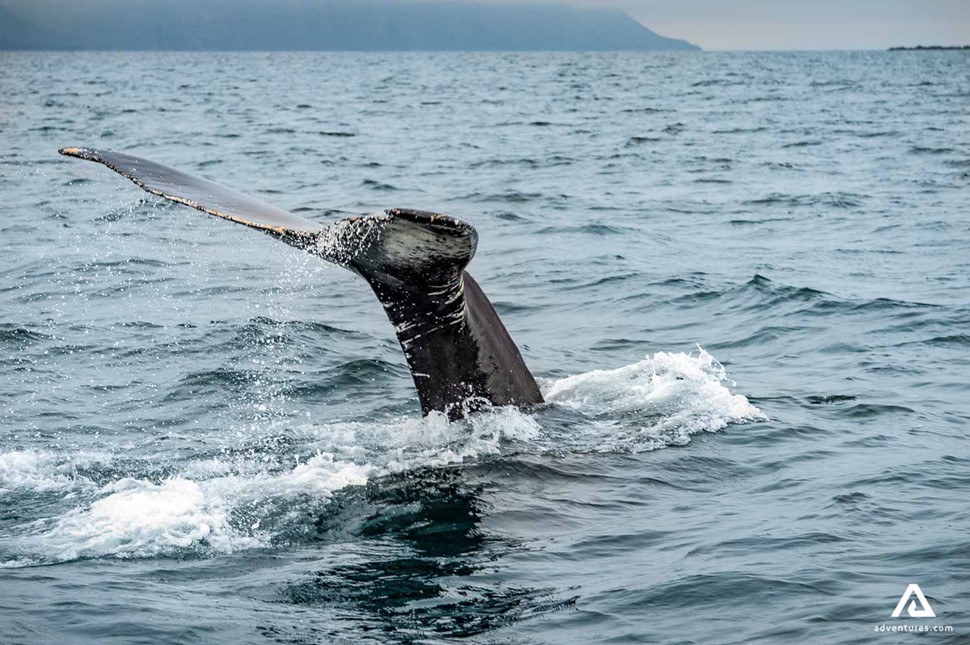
{"x": 202, "y": 194}
{"x": 457, "y": 348}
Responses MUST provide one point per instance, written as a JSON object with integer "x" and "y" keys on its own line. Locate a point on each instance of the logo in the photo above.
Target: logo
{"x": 923, "y": 610}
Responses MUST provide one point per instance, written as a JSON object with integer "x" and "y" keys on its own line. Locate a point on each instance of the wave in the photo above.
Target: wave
{"x": 660, "y": 401}
{"x": 835, "y": 200}
{"x": 378, "y": 185}
{"x": 715, "y": 81}
{"x": 15, "y": 335}
{"x": 591, "y": 228}
{"x": 646, "y": 110}
{"x": 928, "y": 150}
{"x": 739, "y": 130}
{"x": 637, "y": 140}
{"x": 32, "y": 470}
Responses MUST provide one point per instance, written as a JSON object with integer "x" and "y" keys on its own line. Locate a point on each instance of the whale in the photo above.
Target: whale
{"x": 461, "y": 356}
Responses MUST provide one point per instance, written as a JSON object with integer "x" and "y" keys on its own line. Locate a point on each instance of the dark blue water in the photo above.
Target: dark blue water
{"x": 742, "y": 280}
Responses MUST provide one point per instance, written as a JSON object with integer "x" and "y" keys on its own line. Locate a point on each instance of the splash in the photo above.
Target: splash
{"x": 27, "y": 469}
{"x": 226, "y": 504}
{"x": 39, "y": 471}
{"x": 659, "y": 401}
{"x": 138, "y": 518}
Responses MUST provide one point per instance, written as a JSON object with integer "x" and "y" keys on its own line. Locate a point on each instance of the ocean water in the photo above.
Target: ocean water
{"x": 741, "y": 279}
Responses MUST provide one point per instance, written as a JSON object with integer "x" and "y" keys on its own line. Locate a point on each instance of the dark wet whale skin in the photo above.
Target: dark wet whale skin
{"x": 460, "y": 354}
{"x": 457, "y": 348}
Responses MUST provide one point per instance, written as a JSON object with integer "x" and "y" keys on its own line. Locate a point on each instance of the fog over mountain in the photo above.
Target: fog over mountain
{"x": 319, "y": 25}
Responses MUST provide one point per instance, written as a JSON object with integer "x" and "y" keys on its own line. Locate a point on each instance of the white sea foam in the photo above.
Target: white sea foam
{"x": 408, "y": 442}
{"x": 32, "y": 470}
{"x": 28, "y": 469}
{"x": 659, "y": 401}
{"x": 214, "y": 505}
{"x": 139, "y": 518}
{"x": 321, "y": 475}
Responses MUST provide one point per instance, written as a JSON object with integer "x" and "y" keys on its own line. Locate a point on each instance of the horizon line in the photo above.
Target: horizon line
{"x": 700, "y": 50}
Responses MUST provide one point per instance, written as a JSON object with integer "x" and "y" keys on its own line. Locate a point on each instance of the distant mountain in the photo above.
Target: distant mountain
{"x": 360, "y": 25}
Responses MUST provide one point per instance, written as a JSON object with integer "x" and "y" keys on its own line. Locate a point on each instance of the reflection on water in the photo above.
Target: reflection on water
{"x": 423, "y": 564}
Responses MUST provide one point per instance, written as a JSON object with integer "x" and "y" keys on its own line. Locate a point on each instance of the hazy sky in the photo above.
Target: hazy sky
{"x": 802, "y": 24}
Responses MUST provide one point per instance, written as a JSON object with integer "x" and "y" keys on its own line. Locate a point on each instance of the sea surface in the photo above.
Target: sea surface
{"x": 742, "y": 280}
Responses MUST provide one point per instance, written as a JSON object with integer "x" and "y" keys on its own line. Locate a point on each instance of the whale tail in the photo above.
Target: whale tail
{"x": 455, "y": 344}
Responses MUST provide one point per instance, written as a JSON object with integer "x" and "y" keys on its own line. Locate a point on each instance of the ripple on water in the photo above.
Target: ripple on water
{"x": 177, "y": 435}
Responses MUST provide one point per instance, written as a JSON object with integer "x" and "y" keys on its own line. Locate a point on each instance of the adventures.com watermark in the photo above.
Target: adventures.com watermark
{"x": 918, "y": 607}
